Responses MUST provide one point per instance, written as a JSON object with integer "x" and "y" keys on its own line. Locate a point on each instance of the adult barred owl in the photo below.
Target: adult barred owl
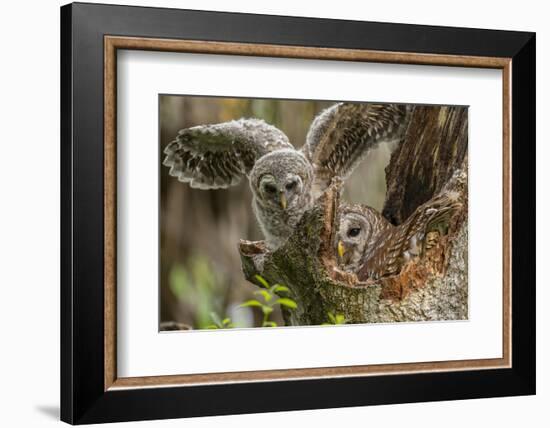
{"x": 371, "y": 247}
{"x": 284, "y": 181}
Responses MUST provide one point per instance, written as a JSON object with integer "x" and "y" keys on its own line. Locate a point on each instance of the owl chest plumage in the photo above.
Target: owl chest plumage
{"x": 277, "y": 224}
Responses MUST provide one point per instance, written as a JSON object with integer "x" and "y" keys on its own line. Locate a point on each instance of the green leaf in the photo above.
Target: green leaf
{"x": 212, "y": 327}
{"x": 215, "y": 318}
{"x": 265, "y": 293}
{"x": 262, "y": 281}
{"x": 280, "y": 288}
{"x": 266, "y": 309}
{"x": 285, "y": 301}
{"x": 340, "y": 319}
{"x": 204, "y": 276}
{"x": 226, "y": 321}
{"x": 269, "y": 324}
{"x": 331, "y": 317}
{"x": 179, "y": 281}
{"x": 250, "y": 303}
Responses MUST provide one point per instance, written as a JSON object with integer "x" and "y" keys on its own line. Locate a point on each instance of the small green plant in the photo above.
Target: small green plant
{"x": 269, "y": 300}
{"x": 335, "y": 319}
{"x": 199, "y": 289}
{"x": 218, "y": 323}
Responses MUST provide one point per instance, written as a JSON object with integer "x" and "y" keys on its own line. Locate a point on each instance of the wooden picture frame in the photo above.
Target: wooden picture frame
{"x": 91, "y": 391}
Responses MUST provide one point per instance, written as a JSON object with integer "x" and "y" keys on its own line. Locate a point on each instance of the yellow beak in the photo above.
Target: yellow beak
{"x": 341, "y": 249}
{"x": 283, "y": 201}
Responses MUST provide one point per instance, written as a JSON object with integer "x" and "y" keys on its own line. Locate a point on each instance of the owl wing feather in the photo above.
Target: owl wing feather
{"x": 399, "y": 244}
{"x": 341, "y": 135}
{"x": 218, "y": 156}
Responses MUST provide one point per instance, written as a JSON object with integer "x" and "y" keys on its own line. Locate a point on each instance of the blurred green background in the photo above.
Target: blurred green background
{"x": 201, "y": 281}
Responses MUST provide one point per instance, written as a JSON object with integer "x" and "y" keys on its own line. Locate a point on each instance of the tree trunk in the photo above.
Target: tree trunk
{"x": 430, "y": 158}
{"x": 434, "y": 147}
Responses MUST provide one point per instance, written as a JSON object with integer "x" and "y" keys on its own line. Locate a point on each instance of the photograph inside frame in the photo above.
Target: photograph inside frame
{"x": 279, "y": 213}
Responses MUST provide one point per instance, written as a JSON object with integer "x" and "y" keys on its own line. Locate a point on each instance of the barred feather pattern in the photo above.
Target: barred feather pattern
{"x": 218, "y": 156}
{"x": 390, "y": 247}
{"x": 411, "y": 239}
{"x": 371, "y": 226}
{"x": 343, "y": 134}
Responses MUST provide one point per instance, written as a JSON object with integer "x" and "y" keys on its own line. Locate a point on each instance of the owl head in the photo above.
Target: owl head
{"x": 358, "y": 230}
{"x": 281, "y": 180}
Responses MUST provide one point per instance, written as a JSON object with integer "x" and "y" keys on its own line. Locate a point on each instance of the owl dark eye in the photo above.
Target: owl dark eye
{"x": 269, "y": 188}
{"x": 353, "y": 232}
{"x": 291, "y": 185}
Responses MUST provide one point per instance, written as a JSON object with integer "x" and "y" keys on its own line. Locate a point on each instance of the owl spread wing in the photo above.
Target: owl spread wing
{"x": 218, "y": 156}
{"x": 342, "y": 135}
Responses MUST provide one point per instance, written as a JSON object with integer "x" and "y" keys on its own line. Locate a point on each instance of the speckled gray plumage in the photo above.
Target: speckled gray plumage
{"x": 219, "y": 155}
{"x": 276, "y": 223}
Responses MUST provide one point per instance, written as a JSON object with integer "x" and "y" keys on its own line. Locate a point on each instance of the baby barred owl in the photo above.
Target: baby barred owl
{"x": 370, "y": 246}
{"x": 284, "y": 181}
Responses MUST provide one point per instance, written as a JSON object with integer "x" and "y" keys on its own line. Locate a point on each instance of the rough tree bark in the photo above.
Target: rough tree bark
{"x": 431, "y": 156}
{"x": 434, "y": 147}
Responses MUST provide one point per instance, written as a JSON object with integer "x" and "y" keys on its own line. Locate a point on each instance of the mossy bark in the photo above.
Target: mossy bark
{"x": 431, "y": 156}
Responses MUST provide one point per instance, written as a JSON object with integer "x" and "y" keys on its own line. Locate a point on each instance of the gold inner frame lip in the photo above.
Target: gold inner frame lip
{"x": 112, "y": 43}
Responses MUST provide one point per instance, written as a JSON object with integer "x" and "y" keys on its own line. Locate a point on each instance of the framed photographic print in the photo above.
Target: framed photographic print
{"x": 325, "y": 213}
